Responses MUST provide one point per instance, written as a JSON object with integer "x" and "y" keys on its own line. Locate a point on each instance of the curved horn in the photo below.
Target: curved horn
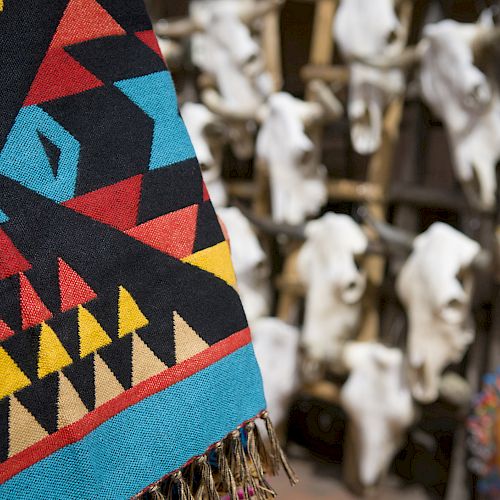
{"x": 268, "y": 226}
{"x": 486, "y": 39}
{"x": 215, "y": 103}
{"x": 483, "y": 261}
{"x": 261, "y": 9}
{"x": 331, "y": 107}
{"x": 411, "y": 56}
{"x": 179, "y": 28}
{"x": 389, "y": 234}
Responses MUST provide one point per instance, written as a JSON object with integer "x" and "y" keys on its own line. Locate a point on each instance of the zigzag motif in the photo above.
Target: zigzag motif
{"x": 53, "y": 361}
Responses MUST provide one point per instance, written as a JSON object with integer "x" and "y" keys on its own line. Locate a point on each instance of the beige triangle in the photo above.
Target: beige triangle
{"x": 107, "y": 386}
{"x": 145, "y": 363}
{"x": 70, "y": 406}
{"x": 187, "y": 342}
{"x": 24, "y": 429}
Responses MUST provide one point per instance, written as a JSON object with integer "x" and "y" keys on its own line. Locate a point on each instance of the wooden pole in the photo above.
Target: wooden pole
{"x": 271, "y": 44}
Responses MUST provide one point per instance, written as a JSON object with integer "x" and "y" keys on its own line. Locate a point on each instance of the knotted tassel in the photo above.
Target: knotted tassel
{"x": 207, "y": 489}
{"x": 278, "y": 456}
{"x": 183, "y": 491}
{"x": 264, "y": 488}
{"x": 156, "y": 493}
{"x": 239, "y": 464}
{"x": 227, "y": 478}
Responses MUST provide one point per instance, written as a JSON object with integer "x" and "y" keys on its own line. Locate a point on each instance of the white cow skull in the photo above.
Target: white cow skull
{"x": 298, "y": 180}
{"x": 467, "y": 101}
{"x": 227, "y": 51}
{"x": 363, "y": 29}
{"x": 435, "y": 287}
{"x": 378, "y": 401}
{"x": 276, "y": 348}
{"x": 207, "y": 135}
{"x": 328, "y": 266}
{"x": 250, "y": 263}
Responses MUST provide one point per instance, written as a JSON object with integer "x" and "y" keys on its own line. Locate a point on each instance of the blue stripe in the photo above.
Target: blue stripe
{"x": 143, "y": 443}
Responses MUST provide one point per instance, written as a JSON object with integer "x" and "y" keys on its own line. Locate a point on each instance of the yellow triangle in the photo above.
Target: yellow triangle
{"x": 91, "y": 333}
{"x": 107, "y": 386}
{"x": 187, "y": 342}
{"x": 215, "y": 260}
{"x": 24, "y": 429}
{"x": 145, "y": 363}
{"x": 12, "y": 378}
{"x": 52, "y": 355}
{"x": 130, "y": 317}
{"x": 70, "y": 406}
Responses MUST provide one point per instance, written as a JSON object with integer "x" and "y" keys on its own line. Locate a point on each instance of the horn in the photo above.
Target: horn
{"x": 261, "y": 9}
{"x": 409, "y": 57}
{"x": 215, "y": 103}
{"x": 331, "y": 108}
{"x": 179, "y": 28}
{"x": 486, "y": 39}
{"x": 483, "y": 261}
{"x": 392, "y": 236}
{"x": 268, "y": 226}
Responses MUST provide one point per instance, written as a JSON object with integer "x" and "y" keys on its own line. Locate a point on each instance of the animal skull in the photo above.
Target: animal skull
{"x": 378, "y": 402}
{"x": 276, "y": 348}
{"x": 327, "y": 265}
{"x": 250, "y": 263}
{"x": 467, "y": 101}
{"x": 463, "y": 96}
{"x": 227, "y": 50}
{"x": 370, "y": 89}
{"x": 207, "y": 135}
{"x": 435, "y": 287}
{"x": 298, "y": 180}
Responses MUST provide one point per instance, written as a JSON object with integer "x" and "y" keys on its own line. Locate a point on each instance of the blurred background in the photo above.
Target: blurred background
{"x": 350, "y": 148}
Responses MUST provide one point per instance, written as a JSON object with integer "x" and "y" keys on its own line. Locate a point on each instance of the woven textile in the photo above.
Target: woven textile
{"x": 124, "y": 350}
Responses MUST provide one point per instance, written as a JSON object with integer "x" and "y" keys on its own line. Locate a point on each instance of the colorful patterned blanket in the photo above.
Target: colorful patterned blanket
{"x": 125, "y": 358}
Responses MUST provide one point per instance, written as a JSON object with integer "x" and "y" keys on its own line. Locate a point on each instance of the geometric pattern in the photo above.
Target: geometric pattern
{"x": 115, "y": 277}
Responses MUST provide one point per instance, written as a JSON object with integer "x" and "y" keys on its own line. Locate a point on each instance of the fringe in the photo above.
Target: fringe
{"x": 234, "y": 468}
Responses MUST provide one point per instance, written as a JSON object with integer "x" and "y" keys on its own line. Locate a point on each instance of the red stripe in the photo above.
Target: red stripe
{"x": 77, "y": 431}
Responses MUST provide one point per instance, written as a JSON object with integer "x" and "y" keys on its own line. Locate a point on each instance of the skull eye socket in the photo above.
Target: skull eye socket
{"x": 392, "y": 37}
{"x": 461, "y": 277}
{"x": 358, "y": 261}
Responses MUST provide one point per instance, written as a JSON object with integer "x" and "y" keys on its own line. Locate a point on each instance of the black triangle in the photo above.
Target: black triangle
{"x": 66, "y": 327}
{"x": 23, "y": 349}
{"x": 40, "y": 400}
{"x": 52, "y": 151}
{"x": 118, "y": 356}
{"x": 4, "y": 429}
{"x": 81, "y": 375}
{"x": 162, "y": 344}
{"x": 208, "y": 230}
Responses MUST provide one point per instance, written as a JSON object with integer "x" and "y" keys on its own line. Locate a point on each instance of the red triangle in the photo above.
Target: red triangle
{"x": 5, "y": 331}
{"x": 173, "y": 234}
{"x": 206, "y": 195}
{"x": 59, "y": 75}
{"x": 84, "y": 20}
{"x": 11, "y": 260}
{"x": 73, "y": 288}
{"x": 33, "y": 310}
{"x": 116, "y": 205}
{"x": 149, "y": 38}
